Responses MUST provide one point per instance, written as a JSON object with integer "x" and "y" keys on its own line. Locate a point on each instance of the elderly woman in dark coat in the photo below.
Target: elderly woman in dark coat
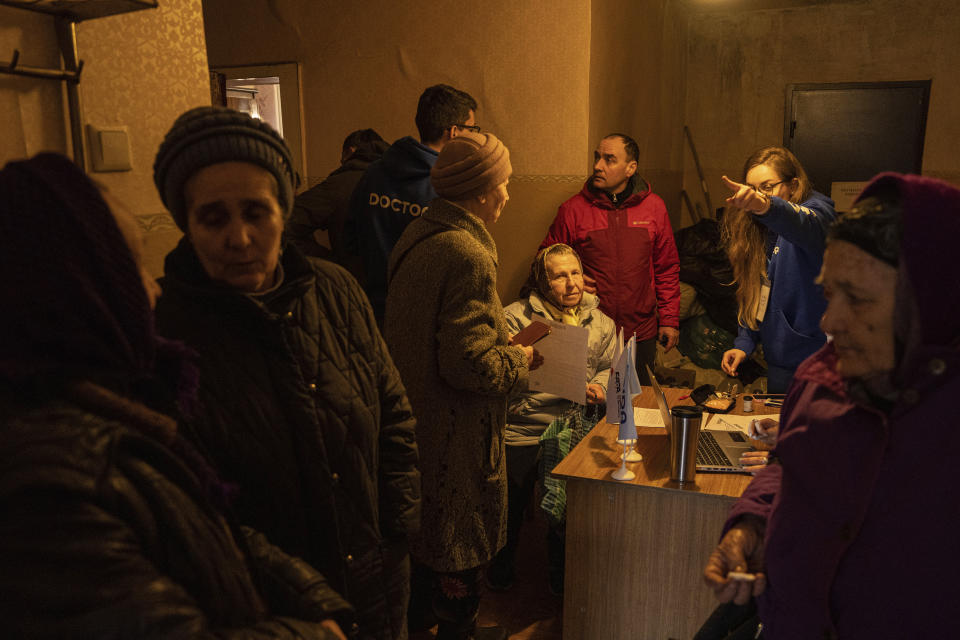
{"x": 302, "y": 407}
{"x": 448, "y": 334}
{"x": 111, "y": 522}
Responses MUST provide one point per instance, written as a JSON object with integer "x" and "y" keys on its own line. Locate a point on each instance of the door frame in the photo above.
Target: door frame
{"x": 291, "y": 103}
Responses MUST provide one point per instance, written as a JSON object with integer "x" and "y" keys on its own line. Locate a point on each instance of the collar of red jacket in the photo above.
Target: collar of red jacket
{"x": 637, "y": 187}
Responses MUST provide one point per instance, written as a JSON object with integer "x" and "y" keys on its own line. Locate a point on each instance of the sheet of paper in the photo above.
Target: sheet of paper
{"x": 648, "y": 418}
{"x": 723, "y": 422}
{"x": 844, "y": 193}
{"x": 564, "y": 367}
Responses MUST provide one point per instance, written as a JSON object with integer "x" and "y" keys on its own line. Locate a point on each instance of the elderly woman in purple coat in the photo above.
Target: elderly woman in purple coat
{"x": 850, "y": 531}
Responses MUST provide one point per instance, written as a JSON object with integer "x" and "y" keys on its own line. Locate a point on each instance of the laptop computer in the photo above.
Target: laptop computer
{"x": 718, "y": 451}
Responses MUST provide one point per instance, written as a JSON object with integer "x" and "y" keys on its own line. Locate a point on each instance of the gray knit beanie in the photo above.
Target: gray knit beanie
{"x": 470, "y": 164}
{"x": 208, "y": 135}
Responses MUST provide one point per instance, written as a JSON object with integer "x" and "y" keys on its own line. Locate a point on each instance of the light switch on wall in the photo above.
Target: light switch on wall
{"x": 109, "y": 148}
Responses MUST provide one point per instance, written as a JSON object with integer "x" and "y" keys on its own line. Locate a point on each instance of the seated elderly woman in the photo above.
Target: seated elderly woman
{"x": 113, "y": 524}
{"x": 850, "y": 531}
{"x": 556, "y": 283}
{"x": 448, "y": 334}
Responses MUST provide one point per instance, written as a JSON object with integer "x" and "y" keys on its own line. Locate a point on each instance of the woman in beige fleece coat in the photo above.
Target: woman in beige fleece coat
{"x": 449, "y": 338}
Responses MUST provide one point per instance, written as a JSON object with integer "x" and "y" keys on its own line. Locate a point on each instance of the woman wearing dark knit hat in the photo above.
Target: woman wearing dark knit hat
{"x": 113, "y": 524}
{"x": 449, "y": 337}
{"x": 301, "y": 405}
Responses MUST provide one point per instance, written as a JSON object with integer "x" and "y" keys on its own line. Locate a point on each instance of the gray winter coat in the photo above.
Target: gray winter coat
{"x": 448, "y": 336}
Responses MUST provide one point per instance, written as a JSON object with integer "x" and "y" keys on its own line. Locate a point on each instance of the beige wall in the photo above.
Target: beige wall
{"x": 143, "y": 70}
{"x": 533, "y": 204}
{"x": 740, "y": 63}
{"x": 637, "y": 85}
{"x": 140, "y": 70}
{"x": 535, "y": 69}
{"x": 550, "y": 80}
{"x": 365, "y": 65}
{"x": 31, "y": 110}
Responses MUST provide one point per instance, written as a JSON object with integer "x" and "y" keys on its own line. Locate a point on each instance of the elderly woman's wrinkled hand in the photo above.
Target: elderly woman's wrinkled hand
{"x": 595, "y": 394}
{"x": 534, "y": 359}
{"x": 740, "y": 551}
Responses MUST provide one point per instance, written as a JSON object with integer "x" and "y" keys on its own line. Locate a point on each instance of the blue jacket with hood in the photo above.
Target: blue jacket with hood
{"x": 392, "y": 192}
{"x": 790, "y": 330}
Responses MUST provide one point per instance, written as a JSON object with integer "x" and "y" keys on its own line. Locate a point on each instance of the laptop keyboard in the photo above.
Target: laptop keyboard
{"x": 709, "y": 452}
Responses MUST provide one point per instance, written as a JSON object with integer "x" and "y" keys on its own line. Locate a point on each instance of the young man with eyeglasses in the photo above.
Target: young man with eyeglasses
{"x": 396, "y": 189}
{"x": 622, "y": 232}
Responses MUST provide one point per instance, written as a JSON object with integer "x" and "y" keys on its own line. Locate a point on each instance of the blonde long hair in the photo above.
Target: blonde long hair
{"x": 745, "y": 238}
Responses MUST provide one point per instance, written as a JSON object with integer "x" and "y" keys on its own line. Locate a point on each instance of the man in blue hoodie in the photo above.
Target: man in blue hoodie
{"x": 396, "y": 189}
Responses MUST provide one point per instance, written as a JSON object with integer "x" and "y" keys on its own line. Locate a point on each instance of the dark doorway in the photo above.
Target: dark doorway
{"x": 849, "y": 132}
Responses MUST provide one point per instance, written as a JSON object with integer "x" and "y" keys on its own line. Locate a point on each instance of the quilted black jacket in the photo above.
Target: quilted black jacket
{"x": 106, "y": 533}
{"x": 305, "y": 411}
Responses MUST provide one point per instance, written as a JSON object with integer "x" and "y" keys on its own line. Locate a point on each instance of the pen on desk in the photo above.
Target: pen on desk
{"x": 683, "y": 397}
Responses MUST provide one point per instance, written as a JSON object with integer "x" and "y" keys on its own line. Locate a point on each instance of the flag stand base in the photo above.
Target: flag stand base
{"x": 624, "y": 474}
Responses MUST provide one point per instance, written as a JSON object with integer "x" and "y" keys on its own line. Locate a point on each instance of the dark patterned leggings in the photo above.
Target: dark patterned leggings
{"x": 456, "y": 601}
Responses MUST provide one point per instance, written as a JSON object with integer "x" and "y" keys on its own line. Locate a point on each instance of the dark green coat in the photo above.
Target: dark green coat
{"x": 304, "y": 410}
{"x": 448, "y": 335}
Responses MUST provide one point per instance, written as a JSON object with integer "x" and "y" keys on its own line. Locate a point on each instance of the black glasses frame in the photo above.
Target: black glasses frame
{"x": 767, "y": 190}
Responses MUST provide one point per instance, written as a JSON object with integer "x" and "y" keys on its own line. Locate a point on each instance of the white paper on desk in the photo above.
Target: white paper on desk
{"x": 648, "y": 418}
{"x": 563, "y": 371}
{"x": 726, "y": 422}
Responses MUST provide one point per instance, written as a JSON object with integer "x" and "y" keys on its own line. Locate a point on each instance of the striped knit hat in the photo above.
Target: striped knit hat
{"x": 470, "y": 164}
{"x": 209, "y": 135}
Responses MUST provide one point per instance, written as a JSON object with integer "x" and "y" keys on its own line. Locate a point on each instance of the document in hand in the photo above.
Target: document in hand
{"x": 530, "y": 334}
{"x": 564, "y": 368}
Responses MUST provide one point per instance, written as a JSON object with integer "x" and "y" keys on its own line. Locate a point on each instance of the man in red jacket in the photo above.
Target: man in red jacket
{"x": 622, "y": 232}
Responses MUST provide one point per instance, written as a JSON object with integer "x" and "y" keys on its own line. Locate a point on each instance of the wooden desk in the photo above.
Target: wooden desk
{"x": 636, "y": 550}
